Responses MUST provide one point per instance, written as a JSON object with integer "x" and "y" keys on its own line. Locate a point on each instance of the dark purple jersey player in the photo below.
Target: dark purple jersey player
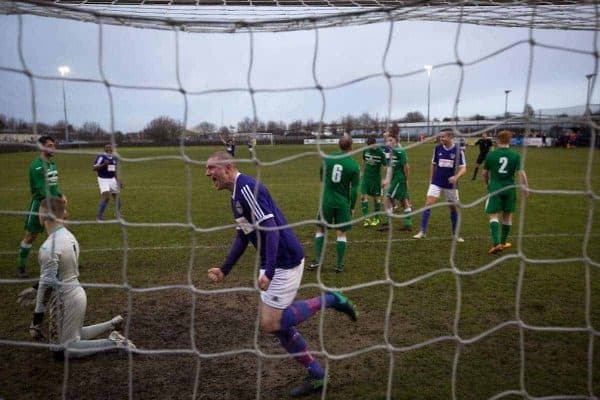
{"x": 447, "y": 166}
{"x": 282, "y": 264}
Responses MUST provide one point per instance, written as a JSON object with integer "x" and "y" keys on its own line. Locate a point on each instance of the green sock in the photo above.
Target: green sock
{"x": 364, "y": 205}
{"x": 318, "y": 247}
{"x": 378, "y": 208}
{"x": 340, "y": 250}
{"x": 23, "y": 253}
{"x": 505, "y": 232}
{"x": 495, "y": 230}
{"x": 408, "y": 218}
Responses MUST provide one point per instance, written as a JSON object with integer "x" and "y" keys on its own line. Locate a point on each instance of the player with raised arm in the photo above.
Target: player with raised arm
{"x": 499, "y": 169}
{"x": 59, "y": 291}
{"x": 396, "y": 182}
{"x": 448, "y": 164}
{"x": 261, "y": 223}
{"x": 108, "y": 182}
{"x": 229, "y": 144}
{"x": 43, "y": 181}
{"x": 340, "y": 175}
{"x": 370, "y": 185}
{"x": 485, "y": 145}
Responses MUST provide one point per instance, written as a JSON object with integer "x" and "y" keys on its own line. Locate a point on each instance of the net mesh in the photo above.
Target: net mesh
{"x": 273, "y": 16}
{"x": 227, "y": 16}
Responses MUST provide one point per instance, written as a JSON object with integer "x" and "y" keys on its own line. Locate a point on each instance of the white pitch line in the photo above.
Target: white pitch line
{"x": 330, "y": 242}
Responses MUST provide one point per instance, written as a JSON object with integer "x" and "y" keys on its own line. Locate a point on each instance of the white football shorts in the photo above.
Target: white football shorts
{"x": 284, "y": 286}
{"x": 108, "y": 185}
{"x": 67, "y": 312}
{"x": 435, "y": 191}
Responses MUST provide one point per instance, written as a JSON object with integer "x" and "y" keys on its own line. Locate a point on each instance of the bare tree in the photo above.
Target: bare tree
{"x": 276, "y": 128}
{"x": 163, "y": 130}
{"x": 296, "y": 128}
{"x": 205, "y": 128}
{"x": 89, "y": 131}
{"x": 348, "y": 123}
{"x": 414, "y": 116}
{"x": 477, "y": 117}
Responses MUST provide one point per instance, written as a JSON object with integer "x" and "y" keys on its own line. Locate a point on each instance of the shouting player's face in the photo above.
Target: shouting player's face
{"x": 221, "y": 174}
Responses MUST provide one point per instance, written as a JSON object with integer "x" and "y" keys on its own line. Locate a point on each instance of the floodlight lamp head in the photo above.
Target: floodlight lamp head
{"x": 428, "y": 68}
{"x": 64, "y": 70}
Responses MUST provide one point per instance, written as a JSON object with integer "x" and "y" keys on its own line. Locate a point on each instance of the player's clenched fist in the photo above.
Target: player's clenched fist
{"x": 263, "y": 282}
{"x": 215, "y": 274}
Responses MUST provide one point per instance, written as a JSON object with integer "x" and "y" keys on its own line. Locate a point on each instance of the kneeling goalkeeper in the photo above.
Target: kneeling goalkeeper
{"x": 60, "y": 292}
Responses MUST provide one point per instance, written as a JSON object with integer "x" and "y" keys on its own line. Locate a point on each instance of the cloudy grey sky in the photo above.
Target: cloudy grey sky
{"x": 145, "y": 57}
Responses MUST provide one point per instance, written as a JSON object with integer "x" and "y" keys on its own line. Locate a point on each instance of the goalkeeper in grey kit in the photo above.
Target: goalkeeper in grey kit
{"x": 60, "y": 293}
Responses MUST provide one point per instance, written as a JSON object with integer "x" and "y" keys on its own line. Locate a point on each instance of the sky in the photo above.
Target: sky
{"x": 147, "y": 58}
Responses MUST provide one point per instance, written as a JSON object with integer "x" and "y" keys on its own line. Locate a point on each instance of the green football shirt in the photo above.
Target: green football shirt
{"x": 502, "y": 165}
{"x": 40, "y": 172}
{"x": 340, "y": 177}
{"x": 398, "y": 160}
{"x": 374, "y": 159}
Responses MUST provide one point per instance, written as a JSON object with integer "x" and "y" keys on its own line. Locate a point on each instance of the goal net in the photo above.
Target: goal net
{"x": 439, "y": 318}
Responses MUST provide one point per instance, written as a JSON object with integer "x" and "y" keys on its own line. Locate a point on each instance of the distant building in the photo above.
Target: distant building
{"x": 10, "y": 137}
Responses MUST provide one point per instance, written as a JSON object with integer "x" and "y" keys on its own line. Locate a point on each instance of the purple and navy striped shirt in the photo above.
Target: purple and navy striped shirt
{"x": 252, "y": 205}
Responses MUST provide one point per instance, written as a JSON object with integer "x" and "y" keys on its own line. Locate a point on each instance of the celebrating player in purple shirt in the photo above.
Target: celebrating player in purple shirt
{"x": 447, "y": 165}
{"x": 282, "y": 264}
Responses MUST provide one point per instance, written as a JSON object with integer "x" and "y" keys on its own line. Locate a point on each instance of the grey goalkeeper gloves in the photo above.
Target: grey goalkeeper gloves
{"x": 27, "y": 297}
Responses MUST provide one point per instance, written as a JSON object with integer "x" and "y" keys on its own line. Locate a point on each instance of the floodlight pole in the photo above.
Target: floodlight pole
{"x": 506, "y": 92}
{"x": 428, "y": 68}
{"x": 64, "y": 70}
{"x": 588, "y": 109}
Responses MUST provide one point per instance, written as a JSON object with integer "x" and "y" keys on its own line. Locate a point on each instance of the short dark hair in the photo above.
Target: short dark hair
{"x": 44, "y": 138}
{"x": 370, "y": 140}
{"x": 393, "y": 136}
{"x": 345, "y": 143}
{"x": 447, "y": 131}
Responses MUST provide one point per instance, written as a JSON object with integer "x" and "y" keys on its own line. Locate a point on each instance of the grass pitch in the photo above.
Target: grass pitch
{"x": 410, "y": 296}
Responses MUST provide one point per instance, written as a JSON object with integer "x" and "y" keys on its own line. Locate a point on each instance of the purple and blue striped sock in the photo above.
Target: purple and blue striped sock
{"x": 293, "y": 342}
{"x": 301, "y": 310}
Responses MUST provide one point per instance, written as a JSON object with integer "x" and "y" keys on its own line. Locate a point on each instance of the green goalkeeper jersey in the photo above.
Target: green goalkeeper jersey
{"x": 373, "y": 159}
{"x": 502, "y": 165}
{"x": 43, "y": 179}
{"x": 341, "y": 177}
{"x": 398, "y": 160}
